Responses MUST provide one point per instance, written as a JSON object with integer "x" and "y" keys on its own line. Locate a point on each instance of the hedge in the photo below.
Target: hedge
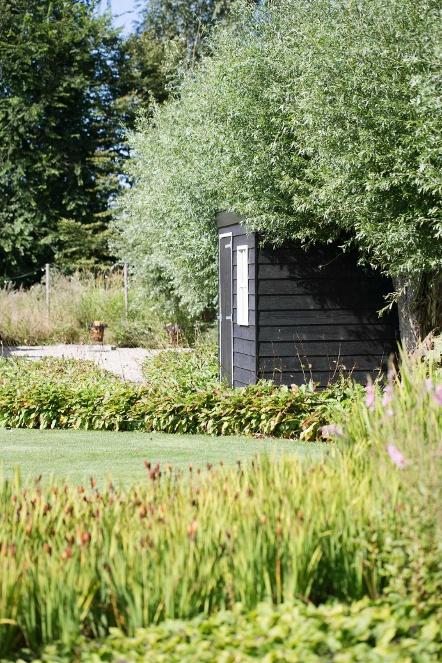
{"x": 69, "y": 394}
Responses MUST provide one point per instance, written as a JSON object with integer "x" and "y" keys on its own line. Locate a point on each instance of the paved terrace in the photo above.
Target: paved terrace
{"x": 124, "y": 362}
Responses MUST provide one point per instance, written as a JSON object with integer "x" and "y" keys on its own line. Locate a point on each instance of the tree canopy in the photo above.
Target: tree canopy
{"x": 318, "y": 121}
{"x": 62, "y": 109}
{"x": 69, "y": 88}
{"x": 170, "y": 37}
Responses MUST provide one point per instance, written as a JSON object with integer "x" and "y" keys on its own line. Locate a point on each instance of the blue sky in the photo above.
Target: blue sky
{"x": 124, "y": 12}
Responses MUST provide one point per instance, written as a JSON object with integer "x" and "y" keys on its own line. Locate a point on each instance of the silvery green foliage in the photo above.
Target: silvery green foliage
{"x": 314, "y": 121}
{"x": 166, "y": 222}
{"x": 370, "y": 105}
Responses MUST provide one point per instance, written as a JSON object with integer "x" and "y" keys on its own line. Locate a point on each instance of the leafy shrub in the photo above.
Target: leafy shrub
{"x": 184, "y": 371}
{"x": 261, "y": 409}
{"x": 314, "y": 121}
{"x": 365, "y": 631}
{"x": 70, "y": 394}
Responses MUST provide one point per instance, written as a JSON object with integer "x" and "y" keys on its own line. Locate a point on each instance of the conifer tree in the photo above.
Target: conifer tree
{"x": 63, "y": 102}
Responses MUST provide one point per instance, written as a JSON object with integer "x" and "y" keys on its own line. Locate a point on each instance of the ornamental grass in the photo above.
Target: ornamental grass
{"x": 77, "y": 560}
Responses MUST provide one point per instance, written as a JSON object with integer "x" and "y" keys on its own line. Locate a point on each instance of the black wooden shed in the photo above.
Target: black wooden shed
{"x": 293, "y": 316}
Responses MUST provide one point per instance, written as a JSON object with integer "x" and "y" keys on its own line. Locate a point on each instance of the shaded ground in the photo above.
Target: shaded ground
{"x": 79, "y": 455}
{"x": 124, "y": 362}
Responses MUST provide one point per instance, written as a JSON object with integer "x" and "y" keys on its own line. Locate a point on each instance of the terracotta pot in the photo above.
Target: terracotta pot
{"x": 96, "y": 330}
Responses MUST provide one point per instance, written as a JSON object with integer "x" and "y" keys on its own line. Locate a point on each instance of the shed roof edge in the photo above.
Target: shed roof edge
{"x": 225, "y": 219}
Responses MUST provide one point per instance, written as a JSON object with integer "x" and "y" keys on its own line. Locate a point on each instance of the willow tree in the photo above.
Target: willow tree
{"x": 315, "y": 121}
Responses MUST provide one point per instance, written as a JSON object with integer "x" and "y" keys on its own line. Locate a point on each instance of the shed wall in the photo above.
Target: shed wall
{"x": 311, "y": 314}
{"x": 317, "y": 315}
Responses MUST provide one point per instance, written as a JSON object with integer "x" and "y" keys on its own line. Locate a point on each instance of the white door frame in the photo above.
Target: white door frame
{"x": 220, "y": 237}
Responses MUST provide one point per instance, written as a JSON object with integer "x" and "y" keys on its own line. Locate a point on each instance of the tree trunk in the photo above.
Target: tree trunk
{"x": 419, "y": 307}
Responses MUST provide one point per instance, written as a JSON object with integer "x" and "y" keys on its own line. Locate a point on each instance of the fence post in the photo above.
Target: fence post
{"x": 126, "y": 288}
{"x": 48, "y": 288}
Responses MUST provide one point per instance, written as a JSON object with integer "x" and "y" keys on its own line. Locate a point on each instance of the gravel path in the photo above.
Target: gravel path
{"x": 125, "y": 362}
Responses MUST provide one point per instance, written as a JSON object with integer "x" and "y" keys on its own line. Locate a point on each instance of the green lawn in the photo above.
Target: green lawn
{"x": 82, "y": 454}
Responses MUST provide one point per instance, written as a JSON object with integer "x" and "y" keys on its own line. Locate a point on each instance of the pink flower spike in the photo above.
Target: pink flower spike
{"x": 370, "y": 394}
{"x": 438, "y": 394}
{"x": 429, "y": 385}
{"x": 331, "y": 430}
{"x": 397, "y": 456}
{"x": 388, "y": 395}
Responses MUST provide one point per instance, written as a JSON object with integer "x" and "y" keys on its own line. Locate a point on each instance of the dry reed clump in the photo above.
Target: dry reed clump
{"x": 24, "y": 316}
{"x": 76, "y": 301}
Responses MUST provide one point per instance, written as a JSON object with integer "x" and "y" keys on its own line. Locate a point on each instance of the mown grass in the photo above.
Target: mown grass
{"x": 78, "y": 455}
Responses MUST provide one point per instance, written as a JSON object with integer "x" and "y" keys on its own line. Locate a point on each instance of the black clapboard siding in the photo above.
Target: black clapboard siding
{"x": 322, "y": 255}
{"x": 327, "y": 333}
{"x": 244, "y": 346}
{"x": 359, "y": 363}
{"x": 321, "y": 377}
{"x": 325, "y": 261}
{"x": 317, "y": 317}
{"x": 329, "y": 257}
{"x": 315, "y": 308}
{"x": 240, "y": 238}
{"x": 244, "y": 376}
{"x": 326, "y": 348}
{"x": 336, "y": 288}
{"x": 246, "y": 333}
{"x": 294, "y": 271}
{"x": 373, "y": 301}
{"x": 246, "y": 361}
{"x": 317, "y": 313}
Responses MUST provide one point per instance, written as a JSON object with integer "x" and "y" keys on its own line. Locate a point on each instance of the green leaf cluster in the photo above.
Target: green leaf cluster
{"x": 170, "y": 37}
{"x": 173, "y": 370}
{"x": 363, "y": 631}
{"x": 68, "y": 394}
